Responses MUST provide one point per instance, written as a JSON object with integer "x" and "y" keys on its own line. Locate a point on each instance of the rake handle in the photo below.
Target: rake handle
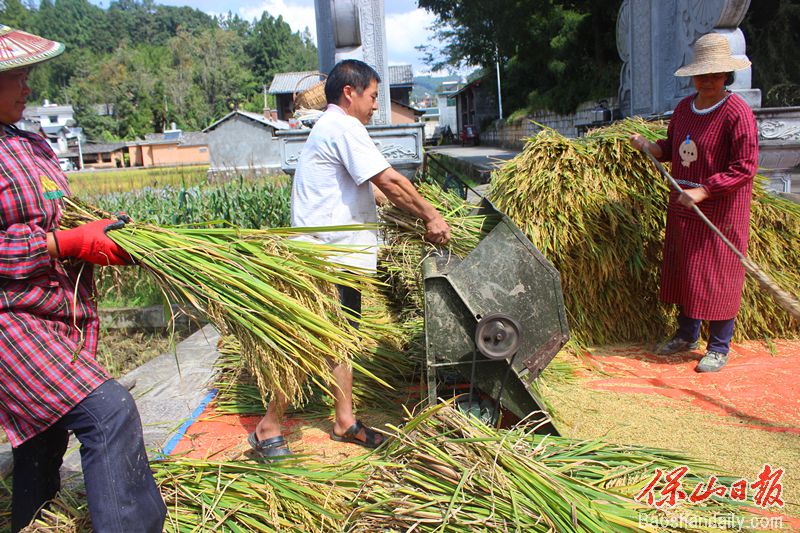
{"x": 786, "y": 300}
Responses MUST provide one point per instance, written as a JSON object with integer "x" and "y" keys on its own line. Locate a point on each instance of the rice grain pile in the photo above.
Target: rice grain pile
{"x": 596, "y": 208}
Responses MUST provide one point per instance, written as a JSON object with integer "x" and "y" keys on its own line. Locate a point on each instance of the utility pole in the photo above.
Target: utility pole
{"x": 499, "y": 94}
{"x": 166, "y": 114}
{"x": 80, "y": 153}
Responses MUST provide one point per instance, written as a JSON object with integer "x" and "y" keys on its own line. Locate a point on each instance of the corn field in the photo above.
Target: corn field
{"x": 252, "y": 204}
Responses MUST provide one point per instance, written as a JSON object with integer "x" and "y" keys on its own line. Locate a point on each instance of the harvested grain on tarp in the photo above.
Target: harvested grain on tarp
{"x": 596, "y": 208}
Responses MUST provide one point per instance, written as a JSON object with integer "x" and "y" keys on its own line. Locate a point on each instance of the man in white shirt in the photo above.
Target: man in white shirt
{"x": 333, "y": 186}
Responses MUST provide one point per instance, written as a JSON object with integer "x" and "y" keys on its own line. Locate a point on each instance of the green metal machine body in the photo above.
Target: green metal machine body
{"x": 495, "y": 318}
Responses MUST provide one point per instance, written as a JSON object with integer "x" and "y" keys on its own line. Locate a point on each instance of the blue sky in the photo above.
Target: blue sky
{"x": 406, "y": 25}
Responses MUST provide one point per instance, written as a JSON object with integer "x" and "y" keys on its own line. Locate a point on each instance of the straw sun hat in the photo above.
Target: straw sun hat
{"x": 712, "y": 54}
{"x": 20, "y": 49}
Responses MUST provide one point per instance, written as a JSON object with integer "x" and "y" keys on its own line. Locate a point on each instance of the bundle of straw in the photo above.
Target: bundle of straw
{"x": 233, "y": 496}
{"x": 596, "y": 208}
{"x": 386, "y": 362}
{"x": 445, "y": 471}
{"x": 401, "y": 258}
{"x": 274, "y": 294}
{"x": 236, "y": 496}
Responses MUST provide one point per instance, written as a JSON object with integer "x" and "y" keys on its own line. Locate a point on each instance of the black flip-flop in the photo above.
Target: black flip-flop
{"x": 351, "y": 435}
{"x": 272, "y": 448}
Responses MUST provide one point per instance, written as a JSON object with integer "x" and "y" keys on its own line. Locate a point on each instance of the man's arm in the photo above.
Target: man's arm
{"x": 402, "y": 194}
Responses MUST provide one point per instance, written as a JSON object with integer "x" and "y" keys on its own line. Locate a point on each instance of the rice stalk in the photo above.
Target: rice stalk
{"x": 383, "y": 367}
{"x": 445, "y": 471}
{"x": 245, "y": 496}
{"x": 596, "y": 208}
{"x": 405, "y": 248}
{"x": 274, "y": 294}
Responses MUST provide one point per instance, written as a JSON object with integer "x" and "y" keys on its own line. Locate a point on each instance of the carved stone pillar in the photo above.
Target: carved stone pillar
{"x": 654, "y": 39}
{"x": 355, "y": 29}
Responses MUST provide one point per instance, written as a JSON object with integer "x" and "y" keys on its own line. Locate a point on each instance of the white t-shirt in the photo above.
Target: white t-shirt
{"x": 331, "y": 184}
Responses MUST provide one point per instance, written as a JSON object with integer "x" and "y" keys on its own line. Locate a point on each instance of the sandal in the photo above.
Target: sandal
{"x": 272, "y": 448}
{"x": 351, "y": 435}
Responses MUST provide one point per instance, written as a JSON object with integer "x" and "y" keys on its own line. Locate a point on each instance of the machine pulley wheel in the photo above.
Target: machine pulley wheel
{"x": 498, "y": 336}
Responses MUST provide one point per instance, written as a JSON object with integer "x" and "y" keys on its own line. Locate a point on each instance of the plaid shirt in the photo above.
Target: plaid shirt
{"x": 47, "y": 338}
{"x": 718, "y": 150}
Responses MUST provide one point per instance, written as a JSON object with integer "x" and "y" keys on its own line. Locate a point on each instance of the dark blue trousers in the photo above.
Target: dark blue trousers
{"x": 719, "y": 336}
{"x": 350, "y": 299}
{"x": 120, "y": 488}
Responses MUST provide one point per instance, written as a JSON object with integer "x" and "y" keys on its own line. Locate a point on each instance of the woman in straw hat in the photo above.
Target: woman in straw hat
{"x": 712, "y": 143}
{"x": 50, "y": 381}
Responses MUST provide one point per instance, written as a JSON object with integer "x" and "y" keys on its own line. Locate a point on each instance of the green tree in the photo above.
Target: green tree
{"x": 208, "y": 76}
{"x": 144, "y": 21}
{"x": 73, "y": 22}
{"x": 129, "y": 81}
{"x": 272, "y": 48}
{"x": 772, "y": 46}
{"x": 234, "y": 23}
{"x": 14, "y": 14}
{"x": 553, "y": 54}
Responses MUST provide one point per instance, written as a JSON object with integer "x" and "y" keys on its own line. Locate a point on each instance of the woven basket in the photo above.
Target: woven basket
{"x": 314, "y": 96}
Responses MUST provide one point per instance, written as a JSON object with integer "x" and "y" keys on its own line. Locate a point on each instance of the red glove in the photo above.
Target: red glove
{"x": 90, "y": 243}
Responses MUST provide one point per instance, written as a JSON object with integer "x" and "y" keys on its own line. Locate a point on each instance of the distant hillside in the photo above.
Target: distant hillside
{"x": 429, "y": 84}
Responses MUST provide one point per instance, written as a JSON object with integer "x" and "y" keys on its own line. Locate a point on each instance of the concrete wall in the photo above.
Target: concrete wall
{"x": 402, "y": 115}
{"x": 447, "y": 114}
{"x": 160, "y": 155}
{"x": 241, "y": 144}
{"x": 513, "y": 134}
{"x": 431, "y": 123}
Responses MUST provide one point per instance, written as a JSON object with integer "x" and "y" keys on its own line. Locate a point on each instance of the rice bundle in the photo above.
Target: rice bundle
{"x": 596, "y": 208}
{"x": 231, "y": 496}
{"x": 274, "y": 294}
{"x": 386, "y": 361}
{"x": 401, "y": 258}
{"x": 67, "y": 513}
{"x": 238, "y": 496}
{"x": 445, "y": 471}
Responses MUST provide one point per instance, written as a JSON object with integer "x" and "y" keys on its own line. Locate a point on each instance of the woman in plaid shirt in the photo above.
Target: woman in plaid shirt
{"x": 50, "y": 381}
{"x": 712, "y": 142}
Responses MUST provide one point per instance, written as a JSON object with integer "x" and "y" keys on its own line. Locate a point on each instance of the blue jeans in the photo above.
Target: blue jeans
{"x": 719, "y": 337}
{"x": 120, "y": 488}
